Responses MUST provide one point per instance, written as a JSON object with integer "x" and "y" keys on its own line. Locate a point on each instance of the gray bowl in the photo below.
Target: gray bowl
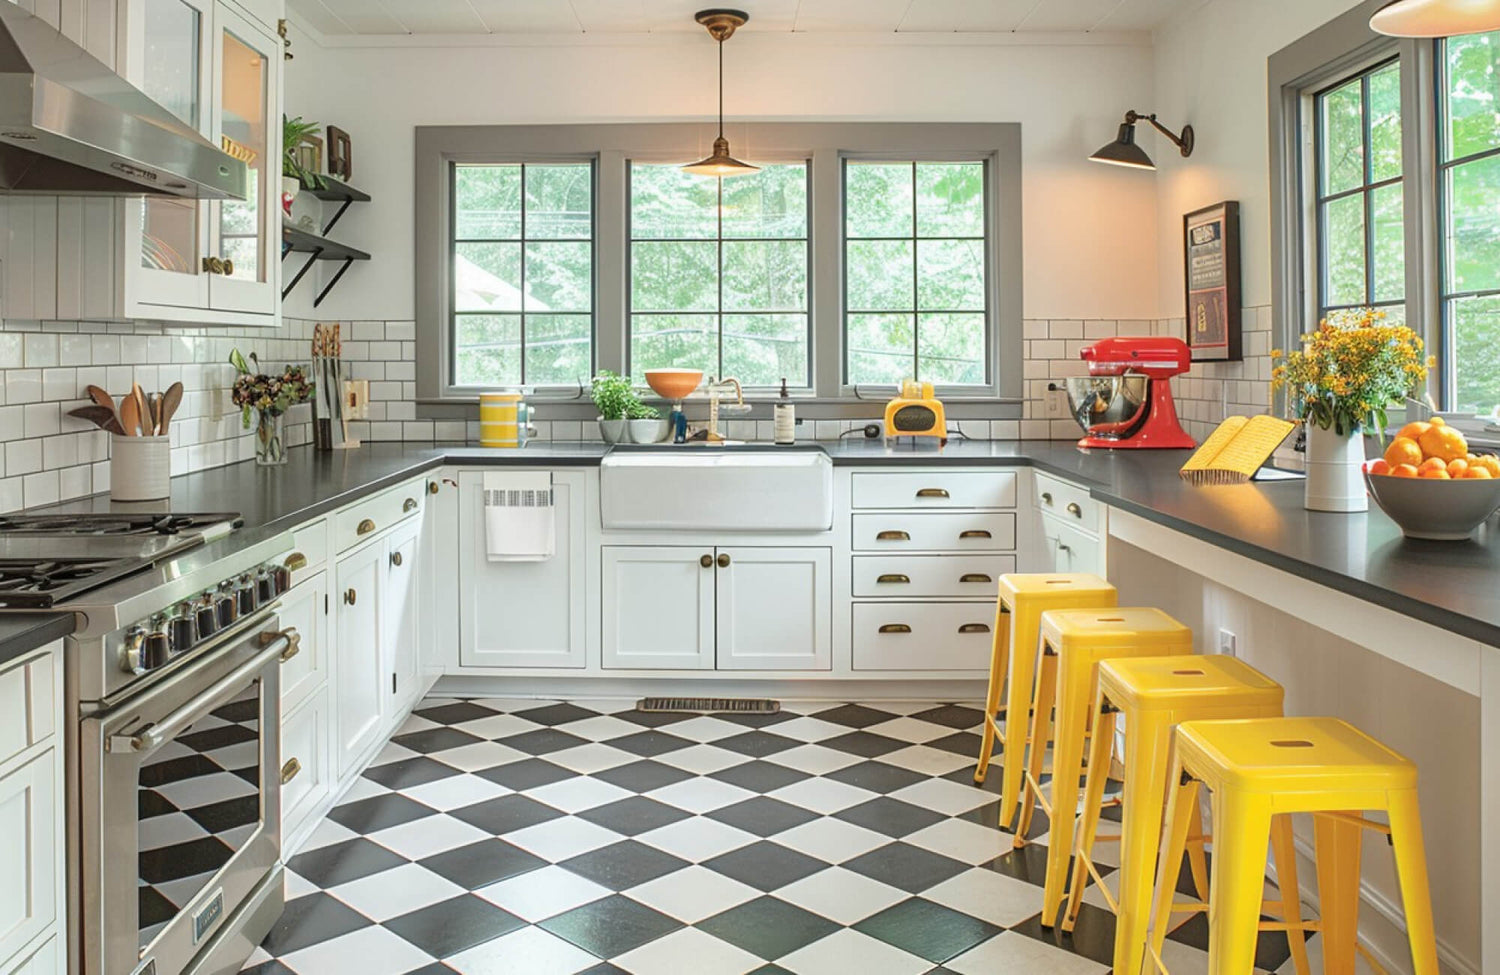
{"x": 1432, "y": 508}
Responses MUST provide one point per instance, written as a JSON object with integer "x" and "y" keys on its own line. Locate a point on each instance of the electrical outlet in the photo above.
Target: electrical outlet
{"x": 1056, "y": 402}
{"x": 1227, "y": 644}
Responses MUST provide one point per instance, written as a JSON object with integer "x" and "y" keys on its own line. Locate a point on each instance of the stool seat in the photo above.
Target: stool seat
{"x": 1290, "y": 755}
{"x": 1084, "y": 584}
{"x": 1168, "y": 683}
{"x": 1137, "y": 628}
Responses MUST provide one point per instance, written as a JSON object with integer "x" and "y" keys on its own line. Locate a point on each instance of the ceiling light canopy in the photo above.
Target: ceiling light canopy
{"x": 1436, "y": 18}
{"x": 1124, "y": 151}
{"x": 721, "y": 25}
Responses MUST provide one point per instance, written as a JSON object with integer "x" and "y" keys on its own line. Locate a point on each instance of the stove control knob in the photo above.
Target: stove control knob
{"x": 132, "y": 652}
{"x": 245, "y": 596}
{"x": 206, "y": 620}
{"x": 281, "y": 578}
{"x": 182, "y": 630}
{"x": 156, "y": 649}
{"x": 265, "y": 587}
{"x": 226, "y": 610}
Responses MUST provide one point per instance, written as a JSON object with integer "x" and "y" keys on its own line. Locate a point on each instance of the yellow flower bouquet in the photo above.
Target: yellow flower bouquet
{"x": 1350, "y": 370}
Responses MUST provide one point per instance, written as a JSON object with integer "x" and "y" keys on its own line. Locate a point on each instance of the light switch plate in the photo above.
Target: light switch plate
{"x": 1227, "y": 643}
{"x": 1057, "y": 403}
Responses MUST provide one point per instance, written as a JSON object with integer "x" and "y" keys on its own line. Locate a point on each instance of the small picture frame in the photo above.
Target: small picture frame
{"x": 340, "y": 153}
{"x": 310, "y": 154}
{"x": 1211, "y": 264}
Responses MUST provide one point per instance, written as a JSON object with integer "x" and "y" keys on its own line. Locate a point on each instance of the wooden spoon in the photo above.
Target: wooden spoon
{"x": 130, "y": 417}
{"x": 170, "y": 400}
{"x": 142, "y": 410}
{"x": 102, "y": 417}
{"x": 102, "y": 398}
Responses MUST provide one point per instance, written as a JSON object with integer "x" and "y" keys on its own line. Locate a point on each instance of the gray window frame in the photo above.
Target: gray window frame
{"x": 825, "y": 144}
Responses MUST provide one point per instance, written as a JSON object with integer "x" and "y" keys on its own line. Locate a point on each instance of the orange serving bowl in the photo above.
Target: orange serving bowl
{"x": 674, "y": 384}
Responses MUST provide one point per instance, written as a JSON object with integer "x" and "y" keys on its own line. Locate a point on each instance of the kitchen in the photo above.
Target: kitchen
{"x": 378, "y": 703}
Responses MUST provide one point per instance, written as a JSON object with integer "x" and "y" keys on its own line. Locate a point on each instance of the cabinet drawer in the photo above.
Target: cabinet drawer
{"x": 923, "y": 636}
{"x": 309, "y": 549}
{"x": 908, "y": 576}
{"x": 937, "y": 532}
{"x": 303, "y": 608}
{"x": 937, "y": 489}
{"x": 1067, "y": 501}
{"x": 1071, "y": 549}
{"x": 43, "y": 961}
{"x": 29, "y": 811}
{"x": 304, "y": 741}
{"x": 27, "y": 703}
{"x": 363, "y": 519}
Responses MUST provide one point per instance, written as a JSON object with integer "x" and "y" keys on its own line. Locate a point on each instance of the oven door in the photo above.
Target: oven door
{"x": 181, "y": 805}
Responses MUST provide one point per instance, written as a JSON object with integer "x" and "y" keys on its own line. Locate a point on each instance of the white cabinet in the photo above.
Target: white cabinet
{"x": 774, "y": 607}
{"x": 399, "y": 641}
{"x": 667, "y": 607}
{"x": 31, "y": 813}
{"x": 360, "y": 684}
{"x": 1071, "y": 527}
{"x": 658, "y": 607}
{"x": 306, "y": 722}
{"x": 305, "y": 608}
{"x": 524, "y": 614}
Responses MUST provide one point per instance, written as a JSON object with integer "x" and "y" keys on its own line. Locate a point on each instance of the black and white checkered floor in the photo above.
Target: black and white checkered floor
{"x": 543, "y": 838}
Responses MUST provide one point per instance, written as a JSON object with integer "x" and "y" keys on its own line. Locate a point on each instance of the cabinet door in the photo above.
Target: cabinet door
{"x": 360, "y": 681}
{"x": 304, "y": 766}
{"x": 775, "y": 608}
{"x": 658, "y": 607}
{"x": 399, "y": 606}
{"x": 523, "y": 614}
{"x": 28, "y": 848}
{"x": 305, "y": 607}
{"x": 247, "y": 124}
{"x": 166, "y": 49}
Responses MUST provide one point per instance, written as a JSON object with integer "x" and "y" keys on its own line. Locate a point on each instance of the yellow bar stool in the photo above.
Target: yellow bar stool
{"x": 1024, "y": 596}
{"x": 1257, "y": 768}
{"x": 1078, "y": 640}
{"x": 1154, "y": 695}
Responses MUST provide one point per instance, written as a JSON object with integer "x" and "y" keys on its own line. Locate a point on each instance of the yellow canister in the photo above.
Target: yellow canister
{"x": 498, "y": 420}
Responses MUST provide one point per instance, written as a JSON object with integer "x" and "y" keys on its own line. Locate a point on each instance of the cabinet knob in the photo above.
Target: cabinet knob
{"x": 893, "y": 536}
{"x": 896, "y": 578}
{"x": 349, "y": 597}
{"x": 396, "y": 559}
{"x": 723, "y": 560}
{"x": 432, "y": 487}
{"x": 895, "y": 628}
{"x": 974, "y": 628}
{"x": 289, "y": 770}
{"x": 1074, "y": 510}
{"x": 706, "y": 561}
{"x": 933, "y": 493}
{"x": 365, "y": 527}
{"x": 410, "y": 504}
{"x": 974, "y": 577}
{"x": 1046, "y": 497}
{"x": 213, "y": 265}
{"x": 227, "y": 267}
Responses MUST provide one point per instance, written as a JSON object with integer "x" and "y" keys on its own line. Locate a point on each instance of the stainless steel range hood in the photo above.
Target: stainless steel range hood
{"x": 71, "y": 126}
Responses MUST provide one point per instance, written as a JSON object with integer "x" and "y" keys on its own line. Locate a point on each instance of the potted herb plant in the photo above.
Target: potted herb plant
{"x": 294, "y": 175}
{"x": 645, "y": 423}
{"x": 614, "y": 395}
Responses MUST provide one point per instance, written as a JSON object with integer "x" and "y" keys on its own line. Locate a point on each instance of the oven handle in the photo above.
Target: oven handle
{"x": 273, "y": 644}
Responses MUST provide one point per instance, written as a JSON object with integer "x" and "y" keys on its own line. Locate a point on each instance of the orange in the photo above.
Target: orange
{"x": 1432, "y": 464}
{"x": 1436, "y": 473}
{"x": 1403, "y": 470}
{"x": 1414, "y": 430}
{"x": 1437, "y": 421}
{"x": 1490, "y": 463}
{"x": 1478, "y": 473}
{"x": 1378, "y": 467}
{"x": 1403, "y": 450}
{"x": 1444, "y": 442}
{"x": 1457, "y": 467}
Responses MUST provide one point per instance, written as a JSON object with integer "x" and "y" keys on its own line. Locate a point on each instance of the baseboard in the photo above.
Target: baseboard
{"x": 564, "y": 688}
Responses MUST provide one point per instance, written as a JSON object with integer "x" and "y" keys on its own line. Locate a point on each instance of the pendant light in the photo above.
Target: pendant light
{"x": 721, "y": 26}
{"x": 1124, "y": 152}
{"x": 1436, "y": 18}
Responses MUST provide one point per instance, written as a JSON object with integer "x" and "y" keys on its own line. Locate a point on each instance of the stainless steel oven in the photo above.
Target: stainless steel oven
{"x": 180, "y": 801}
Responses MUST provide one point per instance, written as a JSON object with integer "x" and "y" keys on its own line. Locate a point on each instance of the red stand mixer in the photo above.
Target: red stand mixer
{"x": 1126, "y": 399}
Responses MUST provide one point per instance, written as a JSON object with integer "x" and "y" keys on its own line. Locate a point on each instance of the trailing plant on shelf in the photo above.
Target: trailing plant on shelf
{"x": 293, "y": 131}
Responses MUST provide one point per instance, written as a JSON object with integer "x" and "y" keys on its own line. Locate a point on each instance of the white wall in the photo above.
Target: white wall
{"x": 1089, "y": 229}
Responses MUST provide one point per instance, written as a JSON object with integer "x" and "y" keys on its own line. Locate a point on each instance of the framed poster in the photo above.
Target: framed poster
{"x": 1211, "y": 250}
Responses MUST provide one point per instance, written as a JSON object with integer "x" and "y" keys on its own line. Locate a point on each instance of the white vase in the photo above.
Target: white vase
{"x": 1334, "y": 478}
{"x": 613, "y": 431}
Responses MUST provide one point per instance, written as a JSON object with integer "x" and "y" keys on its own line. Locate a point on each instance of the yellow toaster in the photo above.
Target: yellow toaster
{"x": 916, "y": 413}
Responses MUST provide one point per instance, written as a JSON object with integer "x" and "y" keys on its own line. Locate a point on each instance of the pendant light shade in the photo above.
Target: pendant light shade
{"x": 1436, "y": 18}
{"x": 721, "y": 25}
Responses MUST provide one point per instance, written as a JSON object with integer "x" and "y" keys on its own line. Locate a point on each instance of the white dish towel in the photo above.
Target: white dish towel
{"x": 519, "y": 522}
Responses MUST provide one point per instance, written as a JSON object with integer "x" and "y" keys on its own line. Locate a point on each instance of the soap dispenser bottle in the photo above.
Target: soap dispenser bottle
{"x": 786, "y": 417}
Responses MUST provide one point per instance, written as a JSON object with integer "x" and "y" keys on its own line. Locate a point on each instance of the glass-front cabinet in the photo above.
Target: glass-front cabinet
{"x": 219, "y": 71}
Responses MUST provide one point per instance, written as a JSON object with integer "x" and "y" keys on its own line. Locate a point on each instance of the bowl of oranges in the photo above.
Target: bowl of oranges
{"x": 1431, "y": 485}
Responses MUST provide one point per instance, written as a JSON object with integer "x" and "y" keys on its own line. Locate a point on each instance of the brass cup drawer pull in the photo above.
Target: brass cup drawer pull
{"x": 409, "y": 505}
{"x": 1074, "y": 510}
{"x": 893, "y": 536}
{"x": 895, "y": 578}
{"x": 976, "y": 533}
{"x": 723, "y": 560}
{"x": 1046, "y": 497}
{"x": 365, "y": 527}
{"x": 295, "y": 561}
{"x": 396, "y": 559}
{"x": 933, "y": 493}
{"x": 289, "y": 770}
{"x": 707, "y": 561}
{"x": 974, "y": 577}
{"x": 974, "y": 628}
{"x": 349, "y": 596}
{"x": 895, "y": 628}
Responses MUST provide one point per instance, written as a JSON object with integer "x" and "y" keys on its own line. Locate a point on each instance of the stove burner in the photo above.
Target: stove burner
{"x": 41, "y": 583}
{"x": 108, "y": 524}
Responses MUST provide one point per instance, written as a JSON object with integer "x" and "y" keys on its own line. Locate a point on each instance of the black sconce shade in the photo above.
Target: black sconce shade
{"x": 1124, "y": 152}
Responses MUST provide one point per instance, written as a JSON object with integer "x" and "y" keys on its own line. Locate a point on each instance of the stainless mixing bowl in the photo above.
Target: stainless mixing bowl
{"x": 1109, "y": 407}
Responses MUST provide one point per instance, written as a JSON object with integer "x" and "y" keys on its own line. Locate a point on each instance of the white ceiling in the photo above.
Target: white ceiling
{"x": 375, "y": 17}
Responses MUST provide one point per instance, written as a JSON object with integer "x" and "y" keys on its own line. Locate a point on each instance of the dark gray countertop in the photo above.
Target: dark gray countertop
{"x": 23, "y": 633}
{"x": 1452, "y": 585}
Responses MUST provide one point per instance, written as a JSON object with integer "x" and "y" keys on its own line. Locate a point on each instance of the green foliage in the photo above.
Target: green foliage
{"x": 614, "y": 396}
{"x": 641, "y": 411}
{"x": 293, "y": 131}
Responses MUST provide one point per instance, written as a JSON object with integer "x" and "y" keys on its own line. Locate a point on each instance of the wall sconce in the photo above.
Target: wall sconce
{"x": 1436, "y": 18}
{"x": 1124, "y": 152}
{"x": 286, "y": 42}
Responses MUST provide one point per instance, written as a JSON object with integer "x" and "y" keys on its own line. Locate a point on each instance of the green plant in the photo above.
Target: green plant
{"x": 293, "y": 131}
{"x": 255, "y": 391}
{"x": 641, "y": 411}
{"x": 614, "y": 395}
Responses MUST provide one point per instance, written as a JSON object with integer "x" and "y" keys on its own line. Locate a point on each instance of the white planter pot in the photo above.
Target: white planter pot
{"x": 614, "y": 431}
{"x": 647, "y": 431}
{"x": 1334, "y": 478}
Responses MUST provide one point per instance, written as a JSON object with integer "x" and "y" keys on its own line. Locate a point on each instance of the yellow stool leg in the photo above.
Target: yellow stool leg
{"x": 1242, "y": 830}
{"x": 1197, "y": 859}
{"x": 1182, "y": 799}
{"x": 1284, "y": 849}
{"x": 1411, "y": 871}
{"x": 1072, "y": 723}
{"x": 1148, "y": 743}
{"x": 1337, "y": 845}
{"x": 1093, "y": 800}
{"x": 999, "y": 662}
{"x": 1018, "y": 697}
{"x": 1043, "y": 700}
